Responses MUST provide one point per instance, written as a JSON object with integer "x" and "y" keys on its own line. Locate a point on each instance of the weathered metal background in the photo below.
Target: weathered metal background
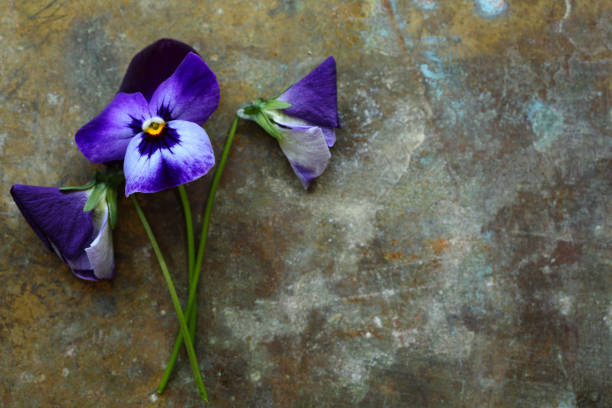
{"x": 456, "y": 253}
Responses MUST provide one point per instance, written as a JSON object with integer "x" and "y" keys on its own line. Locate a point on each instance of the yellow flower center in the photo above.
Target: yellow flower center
{"x": 154, "y": 126}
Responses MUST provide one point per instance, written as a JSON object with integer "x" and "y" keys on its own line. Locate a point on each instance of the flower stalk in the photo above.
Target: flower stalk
{"x": 175, "y": 300}
{"x": 193, "y": 284}
{"x": 191, "y": 318}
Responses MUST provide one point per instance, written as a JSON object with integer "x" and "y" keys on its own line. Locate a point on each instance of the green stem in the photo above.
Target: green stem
{"x": 191, "y": 318}
{"x": 175, "y": 300}
{"x": 200, "y": 257}
{"x": 189, "y": 226}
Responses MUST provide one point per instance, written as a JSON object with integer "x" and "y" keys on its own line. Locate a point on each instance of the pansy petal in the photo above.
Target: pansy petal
{"x": 284, "y": 120}
{"x": 57, "y": 217}
{"x": 153, "y": 65}
{"x": 330, "y": 135}
{"x": 85, "y": 274}
{"x": 314, "y": 97}
{"x": 100, "y": 251}
{"x": 106, "y": 137}
{"x": 307, "y": 152}
{"x": 96, "y": 262}
{"x": 81, "y": 267}
{"x": 182, "y": 154}
{"x": 191, "y": 93}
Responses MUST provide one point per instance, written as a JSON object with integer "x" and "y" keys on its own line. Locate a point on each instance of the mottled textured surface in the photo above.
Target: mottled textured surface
{"x": 456, "y": 253}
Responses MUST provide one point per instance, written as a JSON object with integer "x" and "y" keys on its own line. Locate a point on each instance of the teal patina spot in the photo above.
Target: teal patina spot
{"x": 491, "y": 8}
{"x": 546, "y": 123}
{"x": 426, "y": 4}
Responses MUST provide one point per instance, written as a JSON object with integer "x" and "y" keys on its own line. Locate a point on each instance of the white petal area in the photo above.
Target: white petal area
{"x": 100, "y": 252}
{"x": 183, "y": 156}
{"x": 307, "y": 152}
{"x": 285, "y": 120}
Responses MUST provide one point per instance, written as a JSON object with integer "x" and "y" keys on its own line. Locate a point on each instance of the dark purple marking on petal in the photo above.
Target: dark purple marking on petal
{"x": 191, "y": 93}
{"x": 314, "y": 98}
{"x": 165, "y": 112}
{"x": 56, "y": 217}
{"x": 157, "y": 167}
{"x": 153, "y": 65}
{"x": 150, "y": 144}
{"x": 136, "y": 124}
{"x": 106, "y": 136}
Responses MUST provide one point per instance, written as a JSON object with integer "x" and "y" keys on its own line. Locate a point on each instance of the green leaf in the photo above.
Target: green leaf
{"x": 111, "y": 201}
{"x": 94, "y": 198}
{"x": 78, "y": 188}
{"x": 276, "y": 104}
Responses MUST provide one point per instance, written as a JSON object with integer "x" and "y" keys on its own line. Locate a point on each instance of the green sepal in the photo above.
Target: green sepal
{"x": 94, "y": 198}
{"x": 276, "y": 104}
{"x": 111, "y": 202}
{"x": 256, "y": 111}
{"x": 79, "y": 188}
{"x": 264, "y": 121}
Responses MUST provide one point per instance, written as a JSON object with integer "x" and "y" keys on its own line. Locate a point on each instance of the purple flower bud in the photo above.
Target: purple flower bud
{"x": 82, "y": 240}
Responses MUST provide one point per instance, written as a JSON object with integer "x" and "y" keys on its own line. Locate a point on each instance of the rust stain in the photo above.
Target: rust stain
{"x": 438, "y": 246}
{"x": 393, "y": 256}
{"x": 389, "y": 9}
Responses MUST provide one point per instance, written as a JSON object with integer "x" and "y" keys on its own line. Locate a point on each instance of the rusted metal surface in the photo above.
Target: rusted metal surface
{"x": 456, "y": 253}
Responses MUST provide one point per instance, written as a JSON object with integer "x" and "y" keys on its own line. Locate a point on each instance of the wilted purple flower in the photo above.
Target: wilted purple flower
{"x": 83, "y": 240}
{"x": 155, "y": 128}
{"x": 302, "y": 119}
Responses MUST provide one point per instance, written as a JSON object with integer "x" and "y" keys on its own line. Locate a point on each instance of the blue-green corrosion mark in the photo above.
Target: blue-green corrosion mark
{"x": 491, "y": 8}
{"x": 425, "y": 4}
{"x": 433, "y": 78}
{"x": 547, "y": 124}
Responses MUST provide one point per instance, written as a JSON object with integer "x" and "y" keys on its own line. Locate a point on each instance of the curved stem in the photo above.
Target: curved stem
{"x": 175, "y": 301}
{"x": 191, "y": 318}
{"x": 200, "y": 257}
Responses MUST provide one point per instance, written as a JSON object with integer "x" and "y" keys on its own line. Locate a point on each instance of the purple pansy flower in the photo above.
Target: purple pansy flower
{"x": 153, "y": 123}
{"x": 83, "y": 240}
{"x": 302, "y": 119}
